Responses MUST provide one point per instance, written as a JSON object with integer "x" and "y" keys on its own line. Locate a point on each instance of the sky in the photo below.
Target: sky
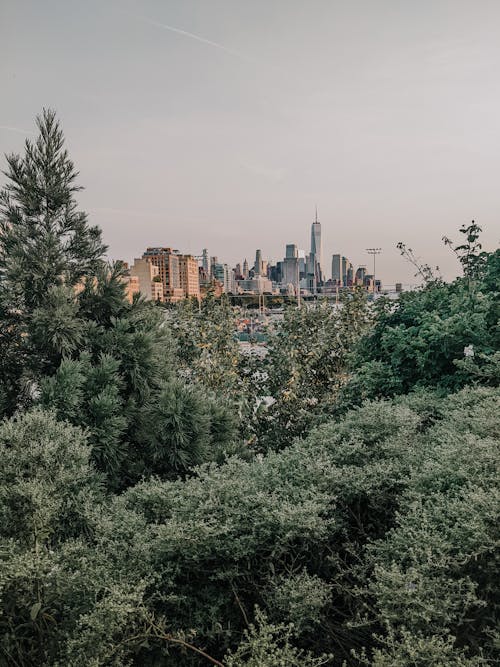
{"x": 222, "y": 124}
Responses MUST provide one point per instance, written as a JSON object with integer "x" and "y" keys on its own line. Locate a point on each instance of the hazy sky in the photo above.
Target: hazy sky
{"x": 222, "y": 123}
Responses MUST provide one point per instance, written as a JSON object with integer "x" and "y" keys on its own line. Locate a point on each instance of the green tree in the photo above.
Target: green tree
{"x": 46, "y": 249}
{"x": 422, "y": 340}
{"x": 469, "y": 252}
{"x": 305, "y": 366}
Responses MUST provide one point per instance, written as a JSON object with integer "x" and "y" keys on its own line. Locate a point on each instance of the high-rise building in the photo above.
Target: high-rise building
{"x": 167, "y": 262}
{"x": 360, "y": 275}
{"x": 316, "y": 249}
{"x": 205, "y": 262}
{"x": 302, "y": 264}
{"x": 189, "y": 277}
{"x": 227, "y": 277}
{"x": 275, "y": 272}
{"x": 258, "y": 268}
{"x": 290, "y": 268}
{"x": 131, "y": 286}
{"x": 245, "y": 269}
{"x": 218, "y": 271}
{"x": 340, "y": 270}
{"x": 346, "y": 269}
{"x": 349, "y": 274}
{"x": 213, "y": 261}
{"x": 337, "y": 277}
{"x": 311, "y": 273}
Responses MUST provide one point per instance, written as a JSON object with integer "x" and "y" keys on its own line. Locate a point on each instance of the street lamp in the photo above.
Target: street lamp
{"x": 374, "y": 252}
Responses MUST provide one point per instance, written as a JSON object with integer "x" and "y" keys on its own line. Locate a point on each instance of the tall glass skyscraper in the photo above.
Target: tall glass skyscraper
{"x": 258, "y": 267}
{"x": 316, "y": 249}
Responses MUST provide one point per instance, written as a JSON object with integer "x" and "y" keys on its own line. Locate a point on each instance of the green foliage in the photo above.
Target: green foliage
{"x": 183, "y": 428}
{"x": 379, "y": 525}
{"x": 46, "y": 242}
{"x": 268, "y": 645}
{"x": 469, "y": 252}
{"x": 89, "y": 395}
{"x": 45, "y": 484}
{"x": 46, "y": 249}
{"x": 45, "y": 478}
{"x": 207, "y": 351}
{"x": 56, "y": 327}
{"x": 420, "y": 340}
{"x": 299, "y": 599}
{"x": 305, "y": 367}
{"x": 418, "y": 651}
{"x": 72, "y": 342}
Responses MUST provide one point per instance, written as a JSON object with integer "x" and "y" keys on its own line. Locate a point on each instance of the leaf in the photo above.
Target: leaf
{"x": 34, "y": 610}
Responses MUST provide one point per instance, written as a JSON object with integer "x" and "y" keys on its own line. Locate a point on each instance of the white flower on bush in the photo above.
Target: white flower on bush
{"x": 469, "y": 351}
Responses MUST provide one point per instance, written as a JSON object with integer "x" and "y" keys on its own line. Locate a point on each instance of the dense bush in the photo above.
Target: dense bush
{"x": 420, "y": 340}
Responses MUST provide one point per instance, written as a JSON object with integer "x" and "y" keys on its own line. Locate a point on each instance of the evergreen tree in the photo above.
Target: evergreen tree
{"x": 46, "y": 249}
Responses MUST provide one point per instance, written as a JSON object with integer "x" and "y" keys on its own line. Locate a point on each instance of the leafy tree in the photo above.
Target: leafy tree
{"x": 305, "y": 366}
{"x": 469, "y": 252}
{"x": 421, "y": 340}
{"x": 208, "y": 355}
{"x": 207, "y": 351}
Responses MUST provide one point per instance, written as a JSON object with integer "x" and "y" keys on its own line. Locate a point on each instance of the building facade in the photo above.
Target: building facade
{"x": 291, "y": 268}
{"x": 167, "y": 262}
{"x": 189, "y": 277}
{"x": 150, "y": 285}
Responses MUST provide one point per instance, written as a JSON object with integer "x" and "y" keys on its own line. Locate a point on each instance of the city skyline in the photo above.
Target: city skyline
{"x": 222, "y": 125}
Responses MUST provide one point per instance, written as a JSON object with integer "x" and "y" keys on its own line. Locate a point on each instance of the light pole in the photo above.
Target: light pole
{"x": 374, "y": 252}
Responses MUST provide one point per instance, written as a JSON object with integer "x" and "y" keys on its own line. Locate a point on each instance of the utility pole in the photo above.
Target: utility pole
{"x": 374, "y": 252}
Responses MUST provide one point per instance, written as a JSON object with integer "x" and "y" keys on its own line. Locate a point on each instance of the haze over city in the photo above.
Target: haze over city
{"x": 223, "y": 124}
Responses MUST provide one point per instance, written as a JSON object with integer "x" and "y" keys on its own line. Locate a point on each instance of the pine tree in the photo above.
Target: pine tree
{"x": 47, "y": 249}
{"x": 46, "y": 241}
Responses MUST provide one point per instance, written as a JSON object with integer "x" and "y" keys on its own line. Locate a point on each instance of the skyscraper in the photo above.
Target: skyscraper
{"x": 346, "y": 272}
{"x": 337, "y": 269}
{"x": 206, "y": 262}
{"x": 258, "y": 267}
{"x": 316, "y": 248}
{"x": 291, "y": 267}
{"x": 340, "y": 270}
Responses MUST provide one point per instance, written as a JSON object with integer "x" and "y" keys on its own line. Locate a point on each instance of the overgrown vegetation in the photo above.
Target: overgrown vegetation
{"x": 166, "y": 500}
